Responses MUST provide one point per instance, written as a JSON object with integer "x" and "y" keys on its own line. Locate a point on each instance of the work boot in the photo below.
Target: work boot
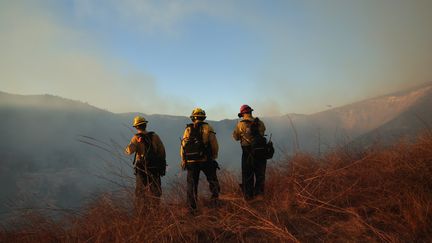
{"x": 193, "y": 212}
{"x": 214, "y": 201}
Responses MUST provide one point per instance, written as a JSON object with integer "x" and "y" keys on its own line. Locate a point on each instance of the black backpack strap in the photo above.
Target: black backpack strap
{"x": 253, "y": 125}
{"x": 256, "y": 122}
{"x": 148, "y": 135}
{"x": 193, "y": 124}
{"x": 148, "y": 141}
{"x": 199, "y": 126}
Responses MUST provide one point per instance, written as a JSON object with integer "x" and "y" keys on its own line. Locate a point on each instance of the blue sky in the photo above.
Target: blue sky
{"x": 170, "y": 56}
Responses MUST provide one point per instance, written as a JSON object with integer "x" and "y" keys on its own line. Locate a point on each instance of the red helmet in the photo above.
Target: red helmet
{"x": 244, "y": 109}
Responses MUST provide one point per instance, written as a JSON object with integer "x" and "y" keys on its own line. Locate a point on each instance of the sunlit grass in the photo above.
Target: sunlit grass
{"x": 380, "y": 194}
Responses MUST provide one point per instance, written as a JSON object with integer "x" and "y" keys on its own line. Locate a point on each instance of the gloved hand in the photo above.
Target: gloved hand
{"x": 183, "y": 165}
{"x": 162, "y": 172}
{"x": 216, "y": 164}
{"x": 162, "y": 168}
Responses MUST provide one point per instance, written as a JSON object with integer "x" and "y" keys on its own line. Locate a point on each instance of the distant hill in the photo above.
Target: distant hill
{"x": 393, "y": 115}
{"x": 42, "y": 153}
{"x": 412, "y": 121}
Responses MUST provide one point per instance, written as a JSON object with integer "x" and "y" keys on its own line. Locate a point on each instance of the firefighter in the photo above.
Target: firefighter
{"x": 149, "y": 162}
{"x": 247, "y": 130}
{"x": 199, "y": 150}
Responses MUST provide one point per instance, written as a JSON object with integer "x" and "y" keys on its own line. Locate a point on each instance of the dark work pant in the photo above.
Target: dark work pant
{"x": 253, "y": 174}
{"x": 193, "y": 171}
{"x": 147, "y": 183}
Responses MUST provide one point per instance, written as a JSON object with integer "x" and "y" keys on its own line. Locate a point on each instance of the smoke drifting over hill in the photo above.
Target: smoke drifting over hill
{"x": 43, "y": 55}
{"x": 152, "y": 56}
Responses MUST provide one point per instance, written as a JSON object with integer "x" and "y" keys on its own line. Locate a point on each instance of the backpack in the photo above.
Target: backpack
{"x": 194, "y": 148}
{"x": 150, "y": 159}
{"x": 260, "y": 148}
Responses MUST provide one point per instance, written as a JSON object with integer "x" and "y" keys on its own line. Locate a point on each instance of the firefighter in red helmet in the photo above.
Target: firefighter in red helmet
{"x": 253, "y": 167}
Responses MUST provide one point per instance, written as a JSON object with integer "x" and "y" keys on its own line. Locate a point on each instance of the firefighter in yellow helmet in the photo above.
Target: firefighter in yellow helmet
{"x": 199, "y": 151}
{"x": 149, "y": 162}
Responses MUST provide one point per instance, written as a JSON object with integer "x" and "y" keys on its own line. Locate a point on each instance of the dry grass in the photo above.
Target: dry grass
{"x": 375, "y": 195}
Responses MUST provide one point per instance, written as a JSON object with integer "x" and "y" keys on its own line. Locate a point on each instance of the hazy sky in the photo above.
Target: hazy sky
{"x": 171, "y": 56}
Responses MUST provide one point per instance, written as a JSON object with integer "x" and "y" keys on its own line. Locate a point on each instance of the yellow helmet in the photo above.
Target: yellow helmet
{"x": 139, "y": 120}
{"x": 198, "y": 112}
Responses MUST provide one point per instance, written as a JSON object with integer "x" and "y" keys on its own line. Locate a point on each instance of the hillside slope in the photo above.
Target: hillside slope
{"x": 341, "y": 125}
{"x": 406, "y": 125}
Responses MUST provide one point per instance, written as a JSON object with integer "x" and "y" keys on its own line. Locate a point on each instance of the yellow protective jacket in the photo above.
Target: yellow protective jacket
{"x": 139, "y": 148}
{"x": 241, "y": 130}
{"x": 209, "y": 138}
